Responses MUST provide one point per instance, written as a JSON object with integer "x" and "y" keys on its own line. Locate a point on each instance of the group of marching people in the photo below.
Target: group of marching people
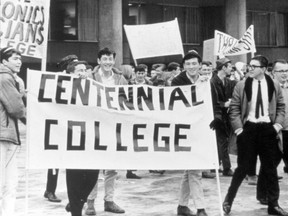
{"x": 249, "y": 101}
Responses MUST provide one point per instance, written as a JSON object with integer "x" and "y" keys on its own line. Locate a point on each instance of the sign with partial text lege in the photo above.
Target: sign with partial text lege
{"x": 24, "y": 26}
{"x": 82, "y": 124}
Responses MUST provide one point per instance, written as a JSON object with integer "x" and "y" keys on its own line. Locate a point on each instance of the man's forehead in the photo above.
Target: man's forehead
{"x": 107, "y": 56}
{"x": 280, "y": 65}
{"x": 254, "y": 62}
{"x": 191, "y": 60}
{"x": 80, "y": 66}
{"x": 15, "y": 55}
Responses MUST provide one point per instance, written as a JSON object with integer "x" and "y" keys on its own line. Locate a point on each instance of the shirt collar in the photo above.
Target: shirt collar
{"x": 101, "y": 72}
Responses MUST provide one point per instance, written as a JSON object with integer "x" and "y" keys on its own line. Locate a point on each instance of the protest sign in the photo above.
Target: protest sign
{"x": 226, "y": 45}
{"x": 208, "y": 52}
{"x": 153, "y": 40}
{"x": 24, "y": 26}
{"x": 76, "y": 123}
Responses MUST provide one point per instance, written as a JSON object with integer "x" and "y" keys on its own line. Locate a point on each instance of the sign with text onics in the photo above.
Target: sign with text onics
{"x": 153, "y": 40}
{"x": 226, "y": 45}
{"x": 24, "y": 26}
{"x": 79, "y": 123}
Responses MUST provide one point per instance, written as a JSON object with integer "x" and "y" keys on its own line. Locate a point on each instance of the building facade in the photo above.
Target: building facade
{"x": 82, "y": 27}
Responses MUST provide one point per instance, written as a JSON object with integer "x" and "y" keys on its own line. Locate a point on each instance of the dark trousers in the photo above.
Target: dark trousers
{"x": 285, "y": 147}
{"x": 257, "y": 139}
{"x": 262, "y": 182}
{"x": 222, "y": 137}
{"x": 52, "y": 180}
{"x": 252, "y": 169}
{"x": 79, "y": 185}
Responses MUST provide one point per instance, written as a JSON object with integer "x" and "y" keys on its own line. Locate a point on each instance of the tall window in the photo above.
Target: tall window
{"x": 270, "y": 28}
{"x": 195, "y": 24}
{"x": 63, "y": 20}
{"x": 74, "y": 20}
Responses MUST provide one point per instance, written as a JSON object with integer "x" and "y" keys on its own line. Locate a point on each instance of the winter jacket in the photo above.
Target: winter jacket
{"x": 11, "y": 107}
{"x": 117, "y": 76}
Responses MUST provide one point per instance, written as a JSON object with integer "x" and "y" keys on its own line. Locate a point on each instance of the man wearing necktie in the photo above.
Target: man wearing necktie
{"x": 257, "y": 113}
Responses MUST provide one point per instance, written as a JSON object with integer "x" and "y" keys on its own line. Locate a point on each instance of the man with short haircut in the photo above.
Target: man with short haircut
{"x": 257, "y": 112}
{"x": 221, "y": 92}
{"x": 78, "y": 68}
{"x": 173, "y": 71}
{"x": 280, "y": 73}
{"x": 106, "y": 73}
{"x": 140, "y": 77}
{"x": 79, "y": 181}
{"x": 206, "y": 69}
{"x": 12, "y": 109}
{"x": 191, "y": 180}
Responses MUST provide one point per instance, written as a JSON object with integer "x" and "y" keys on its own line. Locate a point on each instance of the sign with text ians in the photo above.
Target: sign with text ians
{"x": 24, "y": 26}
{"x": 82, "y": 124}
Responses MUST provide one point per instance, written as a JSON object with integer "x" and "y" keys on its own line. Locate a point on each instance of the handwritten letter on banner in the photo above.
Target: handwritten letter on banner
{"x": 153, "y": 40}
{"x": 74, "y": 123}
{"x": 227, "y": 45}
{"x": 24, "y": 26}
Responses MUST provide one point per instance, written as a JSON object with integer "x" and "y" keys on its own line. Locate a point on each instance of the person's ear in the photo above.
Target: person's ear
{"x": 4, "y": 62}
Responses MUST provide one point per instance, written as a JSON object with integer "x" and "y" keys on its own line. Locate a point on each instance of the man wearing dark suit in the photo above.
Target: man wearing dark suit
{"x": 257, "y": 112}
{"x": 221, "y": 92}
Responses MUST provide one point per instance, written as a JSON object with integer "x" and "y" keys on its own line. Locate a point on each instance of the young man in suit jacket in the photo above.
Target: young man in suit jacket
{"x": 257, "y": 112}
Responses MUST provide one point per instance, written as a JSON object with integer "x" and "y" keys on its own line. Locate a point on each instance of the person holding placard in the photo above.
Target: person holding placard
{"x": 107, "y": 74}
{"x": 191, "y": 180}
{"x": 12, "y": 109}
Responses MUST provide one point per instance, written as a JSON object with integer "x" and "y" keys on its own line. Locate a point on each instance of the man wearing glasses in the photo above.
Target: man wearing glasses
{"x": 257, "y": 113}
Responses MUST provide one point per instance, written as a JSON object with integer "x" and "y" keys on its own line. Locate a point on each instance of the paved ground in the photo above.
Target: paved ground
{"x": 153, "y": 195}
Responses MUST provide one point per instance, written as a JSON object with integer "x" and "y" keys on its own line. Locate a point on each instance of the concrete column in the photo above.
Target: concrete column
{"x": 235, "y": 22}
{"x": 110, "y": 27}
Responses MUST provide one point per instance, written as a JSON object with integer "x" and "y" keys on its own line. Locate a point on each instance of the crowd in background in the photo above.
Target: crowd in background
{"x": 224, "y": 78}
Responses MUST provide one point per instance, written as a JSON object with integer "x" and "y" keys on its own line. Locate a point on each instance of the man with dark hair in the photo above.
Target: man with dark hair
{"x": 106, "y": 73}
{"x": 140, "y": 76}
{"x": 257, "y": 112}
{"x": 78, "y": 68}
{"x": 62, "y": 65}
{"x": 158, "y": 78}
{"x": 79, "y": 181}
{"x": 173, "y": 71}
{"x": 206, "y": 69}
{"x": 52, "y": 174}
{"x": 12, "y": 108}
{"x": 280, "y": 73}
{"x": 221, "y": 92}
{"x": 191, "y": 181}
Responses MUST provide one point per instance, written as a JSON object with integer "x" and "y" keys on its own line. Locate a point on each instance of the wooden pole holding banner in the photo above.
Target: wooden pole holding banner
{"x": 44, "y": 60}
{"x": 28, "y": 114}
{"x": 43, "y": 68}
{"x": 219, "y": 192}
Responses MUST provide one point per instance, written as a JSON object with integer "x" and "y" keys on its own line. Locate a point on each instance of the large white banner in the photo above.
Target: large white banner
{"x": 226, "y": 45}
{"x": 24, "y": 26}
{"x": 76, "y": 123}
{"x": 153, "y": 40}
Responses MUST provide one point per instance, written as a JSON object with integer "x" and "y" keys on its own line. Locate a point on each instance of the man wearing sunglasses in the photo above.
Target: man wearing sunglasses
{"x": 257, "y": 113}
